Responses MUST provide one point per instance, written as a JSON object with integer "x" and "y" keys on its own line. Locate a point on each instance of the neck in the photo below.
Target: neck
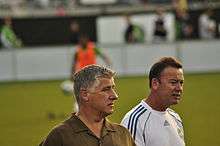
{"x": 155, "y": 103}
{"x": 93, "y": 121}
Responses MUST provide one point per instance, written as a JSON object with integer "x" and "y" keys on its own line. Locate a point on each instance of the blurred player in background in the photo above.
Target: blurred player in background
{"x": 160, "y": 28}
{"x": 94, "y": 90}
{"x": 184, "y": 27}
{"x": 152, "y": 122}
{"x": 8, "y": 37}
{"x": 207, "y": 25}
{"x": 86, "y": 54}
{"x": 134, "y": 33}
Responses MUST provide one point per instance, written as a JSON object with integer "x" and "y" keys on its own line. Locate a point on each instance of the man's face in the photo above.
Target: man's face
{"x": 102, "y": 95}
{"x": 170, "y": 86}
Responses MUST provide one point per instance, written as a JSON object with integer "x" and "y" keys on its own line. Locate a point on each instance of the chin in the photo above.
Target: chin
{"x": 175, "y": 102}
{"x": 109, "y": 112}
{"x": 106, "y": 114}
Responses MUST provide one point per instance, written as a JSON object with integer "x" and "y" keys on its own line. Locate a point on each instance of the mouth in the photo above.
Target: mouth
{"x": 177, "y": 96}
{"x": 111, "y": 104}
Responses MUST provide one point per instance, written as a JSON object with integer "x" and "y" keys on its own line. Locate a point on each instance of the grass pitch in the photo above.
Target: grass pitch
{"x": 29, "y": 110}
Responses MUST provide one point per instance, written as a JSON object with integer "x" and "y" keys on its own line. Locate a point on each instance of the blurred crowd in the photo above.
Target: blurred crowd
{"x": 203, "y": 24}
{"x": 11, "y": 4}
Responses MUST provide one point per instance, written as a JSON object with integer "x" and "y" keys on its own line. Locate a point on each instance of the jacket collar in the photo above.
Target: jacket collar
{"x": 78, "y": 126}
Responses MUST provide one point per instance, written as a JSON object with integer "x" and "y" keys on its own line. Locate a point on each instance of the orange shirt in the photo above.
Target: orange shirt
{"x": 85, "y": 56}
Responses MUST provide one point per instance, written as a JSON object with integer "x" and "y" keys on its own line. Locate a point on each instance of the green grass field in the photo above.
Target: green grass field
{"x": 26, "y": 106}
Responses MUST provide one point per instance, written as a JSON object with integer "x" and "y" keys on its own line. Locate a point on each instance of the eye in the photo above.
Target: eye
{"x": 106, "y": 89}
{"x": 173, "y": 82}
{"x": 181, "y": 82}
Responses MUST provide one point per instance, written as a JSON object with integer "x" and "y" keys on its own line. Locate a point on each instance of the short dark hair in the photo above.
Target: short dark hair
{"x": 160, "y": 65}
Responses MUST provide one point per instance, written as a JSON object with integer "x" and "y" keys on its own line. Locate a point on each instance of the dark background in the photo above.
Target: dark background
{"x": 56, "y": 30}
{"x": 51, "y": 31}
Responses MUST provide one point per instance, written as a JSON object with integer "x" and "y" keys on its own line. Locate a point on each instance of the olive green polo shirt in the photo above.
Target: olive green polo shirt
{"x": 73, "y": 132}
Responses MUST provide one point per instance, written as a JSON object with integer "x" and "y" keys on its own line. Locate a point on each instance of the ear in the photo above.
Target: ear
{"x": 154, "y": 83}
{"x": 84, "y": 95}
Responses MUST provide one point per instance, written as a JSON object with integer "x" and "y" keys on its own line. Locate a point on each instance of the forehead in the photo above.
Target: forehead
{"x": 172, "y": 73}
{"x": 103, "y": 82}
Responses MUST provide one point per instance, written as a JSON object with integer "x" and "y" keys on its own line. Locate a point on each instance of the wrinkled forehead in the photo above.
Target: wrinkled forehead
{"x": 170, "y": 72}
{"x": 103, "y": 81}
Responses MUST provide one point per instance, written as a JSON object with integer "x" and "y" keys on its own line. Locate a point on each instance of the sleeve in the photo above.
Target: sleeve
{"x": 98, "y": 51}
{"x": 127, "y": 138}
{"x": 124, "y": 121}
{"x": 138, "y": 136}
{"x": 103, "y": 56}
{"x": 131, "y": 140}
{"x": 53, "y": 139}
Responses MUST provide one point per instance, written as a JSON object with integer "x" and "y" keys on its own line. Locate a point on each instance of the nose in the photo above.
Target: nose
{"x": 179, "y": 87}
{"x": 114, "y": 95}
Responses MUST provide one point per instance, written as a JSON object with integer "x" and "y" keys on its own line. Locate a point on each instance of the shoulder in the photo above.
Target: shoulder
{"x": 58, "y": 129}
{"x": 136, "y": 116}
{"x": 61, "y": 128}
{"x": 54, "y": 138}
{"x": 115, "y": 126}
{"x": 138, "y": 110}
{"x": 91, "y": 44}
{"x": 174, "y": 114}
{"x": 121, "y": 130}
{"x": 121, "y": 135}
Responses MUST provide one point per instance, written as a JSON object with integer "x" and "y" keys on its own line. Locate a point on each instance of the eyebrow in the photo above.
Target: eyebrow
{"x": 109, "y": 86}
{"x": 180, "y": 80}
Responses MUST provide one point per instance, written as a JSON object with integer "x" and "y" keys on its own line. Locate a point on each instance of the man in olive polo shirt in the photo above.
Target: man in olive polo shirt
{"x": 94, "y": 89}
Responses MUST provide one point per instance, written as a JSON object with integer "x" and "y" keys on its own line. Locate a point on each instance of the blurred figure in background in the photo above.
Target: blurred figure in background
{"x": 160, "y": 30}
{"x": 184, "y": 27}
{"x": 67, "y": 85}
{"x": 152, "y": 122}
{"x": 9, "y": 39}
{"x": 74, "y": 32}
{"x": 207, "y": 26}
{"x": 133, "y": 33}
{"x": 94, "y": 90}
{"x": 86, "y": 54}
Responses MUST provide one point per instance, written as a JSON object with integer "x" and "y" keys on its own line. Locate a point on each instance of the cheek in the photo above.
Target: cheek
{"x": 101, "y": 98}
{"x": 167, "y": 89}
{"x": 171, "y": 87}
{"x": 105, "y": 95}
